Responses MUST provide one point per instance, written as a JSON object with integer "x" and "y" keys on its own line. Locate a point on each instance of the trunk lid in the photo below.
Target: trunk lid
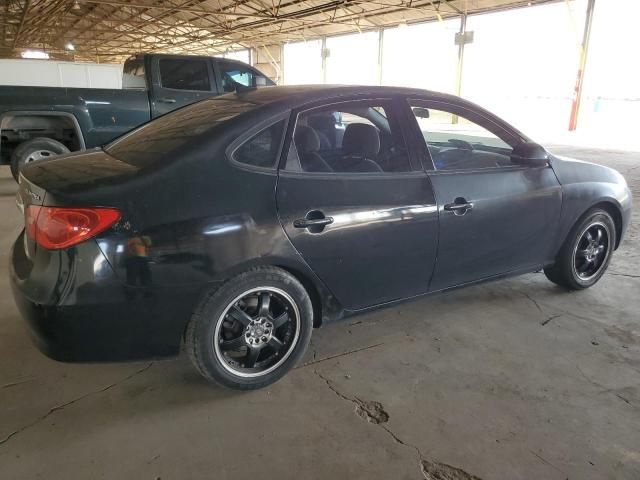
{"x": 74, "y": 174}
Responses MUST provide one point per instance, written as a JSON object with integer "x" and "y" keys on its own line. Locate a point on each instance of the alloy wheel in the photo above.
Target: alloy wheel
{"x": 257, "y": 332}
{"x": 591, "y": 251}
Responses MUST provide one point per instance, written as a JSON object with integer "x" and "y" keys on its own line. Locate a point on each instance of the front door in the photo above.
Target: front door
{"x": 496, "y": 217}
{"x": 360, "y": 213}
{"x": 179, "y": 81}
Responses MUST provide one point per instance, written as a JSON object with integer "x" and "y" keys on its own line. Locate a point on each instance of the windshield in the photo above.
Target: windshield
{"x": 165, "y": 136}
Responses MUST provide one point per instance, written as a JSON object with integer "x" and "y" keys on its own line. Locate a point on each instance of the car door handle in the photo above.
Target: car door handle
{"x": 314, "y": 222}
{"x": 459, "y": 206}
{"x": 167, "y": 100}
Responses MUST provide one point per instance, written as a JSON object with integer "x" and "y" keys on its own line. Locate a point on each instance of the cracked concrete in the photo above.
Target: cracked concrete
{"x": 70, "y": 402}
{"x": 374, "y": 412}
{"x": 441, "y": 471}
{"x": 371, "y": 411}
{"x": 517, "y": 379}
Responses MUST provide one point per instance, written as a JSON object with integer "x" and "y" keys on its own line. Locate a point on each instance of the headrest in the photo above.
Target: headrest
{"x": 361, "y": 139}
{"x": 306, "y": 139}
{"x": 322, "y": 121}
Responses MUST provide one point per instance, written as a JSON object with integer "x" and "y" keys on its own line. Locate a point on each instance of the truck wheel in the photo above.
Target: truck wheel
{"x": 33, "y": 150}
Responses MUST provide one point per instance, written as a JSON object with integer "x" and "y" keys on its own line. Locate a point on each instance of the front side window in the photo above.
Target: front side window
{"x": 350, "y": 137}
{"x": 262, "y": 149}
{"x": 234, "y": 74}
{"x": 457, "y": 141}
{"x": 184, "y": 74}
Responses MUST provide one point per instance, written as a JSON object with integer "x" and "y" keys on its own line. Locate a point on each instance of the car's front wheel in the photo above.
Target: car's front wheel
{"x": 252, "y": 330}
{"x": 586, "y": 253}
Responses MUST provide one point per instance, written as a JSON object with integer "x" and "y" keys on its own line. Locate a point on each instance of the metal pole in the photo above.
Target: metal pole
{"x": 463, "y": 29}
{"x": 281, "y": 64}
{"x": 462, "y": 41}
{"x": 323, "y": 54}
{"x": 380, "y": 54}
{"x": 16, "y": 37}
{"x": 584, "y": 48}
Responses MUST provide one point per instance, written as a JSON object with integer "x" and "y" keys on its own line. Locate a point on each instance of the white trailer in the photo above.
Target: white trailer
{"x": 51, "y": 73}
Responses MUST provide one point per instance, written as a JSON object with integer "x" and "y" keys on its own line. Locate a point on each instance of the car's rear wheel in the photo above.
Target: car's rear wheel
{"x": 252, "y": 330}
{"x": 586, "y": 253}
{"x": 34, "y": 150}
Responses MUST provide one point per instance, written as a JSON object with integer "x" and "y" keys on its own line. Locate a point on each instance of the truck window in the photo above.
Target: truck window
{"x": 133, "y": 74}
{"x": 234, "y": 74}
{"x": 184, "y": 74}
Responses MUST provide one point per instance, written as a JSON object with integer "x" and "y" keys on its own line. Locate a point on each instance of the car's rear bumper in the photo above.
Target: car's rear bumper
{"x": 78, "y": 311}
{"x": 95, "y": 333}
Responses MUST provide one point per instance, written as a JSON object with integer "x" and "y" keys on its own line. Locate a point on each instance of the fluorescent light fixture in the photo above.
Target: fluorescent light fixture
{"x": 69, "y": 46}
{"x": 34, "y": 54}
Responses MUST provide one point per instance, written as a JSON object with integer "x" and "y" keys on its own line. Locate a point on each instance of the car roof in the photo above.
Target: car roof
{"x": 177, "y": 55}
{"x": 291, "y": 96}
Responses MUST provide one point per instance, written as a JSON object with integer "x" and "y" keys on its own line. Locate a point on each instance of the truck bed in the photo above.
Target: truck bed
{"x": 100, "y": 114}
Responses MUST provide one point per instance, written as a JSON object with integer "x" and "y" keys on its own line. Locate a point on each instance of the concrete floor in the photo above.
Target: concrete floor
{"x": 511, "y": 380}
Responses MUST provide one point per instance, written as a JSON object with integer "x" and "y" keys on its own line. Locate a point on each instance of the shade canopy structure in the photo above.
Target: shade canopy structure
{"x": 110, "y": 30}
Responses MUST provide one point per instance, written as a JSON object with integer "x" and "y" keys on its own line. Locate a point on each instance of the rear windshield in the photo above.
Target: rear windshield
{"x": 165, "y": 136}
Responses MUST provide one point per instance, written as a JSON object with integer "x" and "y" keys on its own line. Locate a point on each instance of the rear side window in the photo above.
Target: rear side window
{"x": 133, "y": 74}
{"x": 184, "y": 74}
{"x": 363, "y": 136}
{"x": 262, "y": 149}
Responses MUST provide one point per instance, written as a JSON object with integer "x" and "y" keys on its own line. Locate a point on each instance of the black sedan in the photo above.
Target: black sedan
{"x": 234, "y": 226}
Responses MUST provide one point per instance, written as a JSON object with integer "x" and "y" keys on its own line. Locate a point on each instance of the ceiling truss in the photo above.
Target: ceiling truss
{"x": 111, "y": 30}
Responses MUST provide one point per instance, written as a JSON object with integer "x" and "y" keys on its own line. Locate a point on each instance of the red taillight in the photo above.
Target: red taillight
{"x": 59, "y": 227}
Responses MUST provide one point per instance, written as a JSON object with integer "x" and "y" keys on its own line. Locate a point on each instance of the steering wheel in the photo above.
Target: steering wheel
{"x": 461, "y": 144}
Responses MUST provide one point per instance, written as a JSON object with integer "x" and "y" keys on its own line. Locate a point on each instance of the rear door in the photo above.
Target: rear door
{"x": 179, "y": 81}
{"x": 354, "y": 204}
{"x": 496, "y": 217}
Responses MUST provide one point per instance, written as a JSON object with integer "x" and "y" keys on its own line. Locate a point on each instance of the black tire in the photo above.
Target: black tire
{"x": 214, "y": 316}
{"x": 565, "y": 271}
{"x": 25, "y": 150}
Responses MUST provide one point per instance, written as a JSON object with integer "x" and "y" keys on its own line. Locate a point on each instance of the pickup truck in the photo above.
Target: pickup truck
{"x": 39, "y": 122}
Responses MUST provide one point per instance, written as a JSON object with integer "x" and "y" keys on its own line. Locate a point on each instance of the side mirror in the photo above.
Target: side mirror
{"x": 421, "y": 112}
{"x": 529, "y": 154}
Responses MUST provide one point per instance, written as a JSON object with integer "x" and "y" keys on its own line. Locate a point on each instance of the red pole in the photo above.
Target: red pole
{"x": 577, "y": 92}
